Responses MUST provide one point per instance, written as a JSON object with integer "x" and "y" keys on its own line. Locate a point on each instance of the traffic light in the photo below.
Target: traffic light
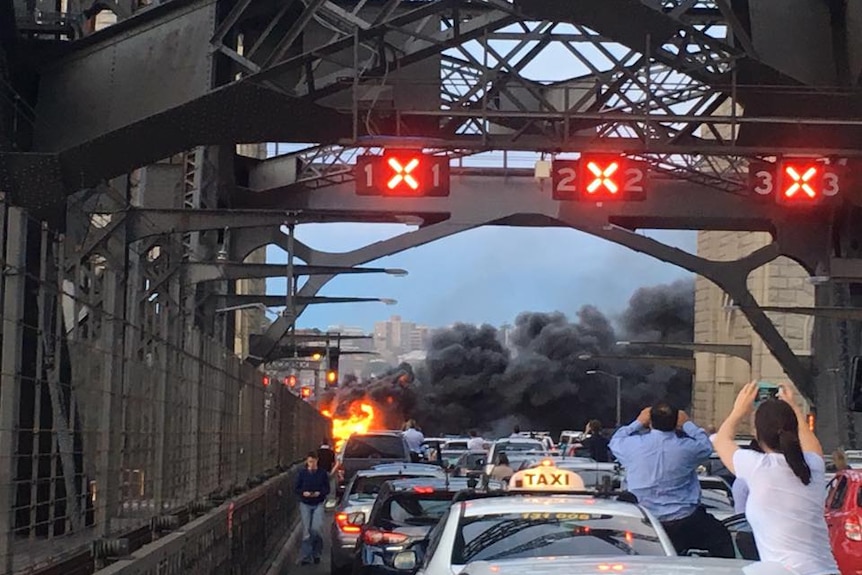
{"x": 806, "y": 182}
{"x": 290, "y": 380}
{"x": 599, "y": 178}
{"x": 332, "y": 369}
{"x": 402, "y": 173}
{"x": 305, "y": 392}
{"x": 611, "y": 177}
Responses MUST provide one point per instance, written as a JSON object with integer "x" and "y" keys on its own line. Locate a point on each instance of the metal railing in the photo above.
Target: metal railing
{"x": 120, "y": 419}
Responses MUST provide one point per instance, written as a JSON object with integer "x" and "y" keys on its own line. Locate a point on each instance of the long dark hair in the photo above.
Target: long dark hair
{"x": 778, "y": 430}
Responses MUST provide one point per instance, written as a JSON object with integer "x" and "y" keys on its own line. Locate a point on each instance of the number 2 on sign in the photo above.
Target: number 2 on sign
{"x": 566, "y": 184}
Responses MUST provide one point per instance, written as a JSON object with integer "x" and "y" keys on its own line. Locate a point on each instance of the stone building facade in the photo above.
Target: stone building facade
{"x": 782, "y": 283}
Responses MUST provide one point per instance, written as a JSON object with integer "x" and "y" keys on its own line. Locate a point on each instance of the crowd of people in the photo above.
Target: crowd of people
{"x": 779, "y": 482}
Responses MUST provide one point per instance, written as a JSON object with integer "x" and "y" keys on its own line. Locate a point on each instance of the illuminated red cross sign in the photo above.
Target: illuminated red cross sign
{"x": 603, "y": 177}
{"x": 403, "y": 173}
{"x": 800, "y": 181}
{"x": 806, "y": 182}
{"x": 609, "y": 177}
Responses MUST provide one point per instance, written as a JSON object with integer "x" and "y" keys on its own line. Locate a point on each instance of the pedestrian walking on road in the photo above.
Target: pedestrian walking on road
{"x": 786, "y": 495}
{"x": 661, "y": 471}
{"x": 312, "y": 487}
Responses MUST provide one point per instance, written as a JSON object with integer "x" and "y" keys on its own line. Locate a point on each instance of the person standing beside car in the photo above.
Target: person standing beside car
{"x": 661, "y": 471}
{"x": 786, "y": 495}
{"x": 414, "y": 439}
{"x": 595, "y": 444}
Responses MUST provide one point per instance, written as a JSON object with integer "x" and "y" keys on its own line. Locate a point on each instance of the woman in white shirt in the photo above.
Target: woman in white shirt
{"x": 785, "y": 505}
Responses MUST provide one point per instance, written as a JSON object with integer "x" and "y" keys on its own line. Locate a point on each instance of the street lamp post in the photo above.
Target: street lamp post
{"x": 619, "y": 380}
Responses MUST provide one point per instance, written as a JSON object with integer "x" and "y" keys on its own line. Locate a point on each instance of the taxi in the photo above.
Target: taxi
{"x": 630, "y": 566}
{"x": 547, "y": 522}
{"x": 546, "y": 512}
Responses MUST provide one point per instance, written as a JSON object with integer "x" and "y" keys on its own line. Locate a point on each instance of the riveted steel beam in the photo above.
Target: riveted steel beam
{"x": 197, "y": 272}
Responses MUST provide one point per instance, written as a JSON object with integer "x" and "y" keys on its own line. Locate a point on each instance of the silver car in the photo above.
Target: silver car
{"x": 357, "y": 501}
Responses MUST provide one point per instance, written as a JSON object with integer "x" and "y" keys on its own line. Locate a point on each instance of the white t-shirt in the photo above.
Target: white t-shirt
{"x": 787, "y": 516}
{"x": 475, "y": 444}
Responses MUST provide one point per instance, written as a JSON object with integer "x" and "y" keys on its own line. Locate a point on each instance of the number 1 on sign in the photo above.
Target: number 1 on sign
{"x": 369, "y": 175}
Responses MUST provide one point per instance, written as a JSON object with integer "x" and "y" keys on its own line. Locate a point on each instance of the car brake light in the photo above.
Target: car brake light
{"x": 853, "y": 529}
{"x": 345, "y": 526}
{"x": 377, "y": 537}
{"x": 423, "y": 490}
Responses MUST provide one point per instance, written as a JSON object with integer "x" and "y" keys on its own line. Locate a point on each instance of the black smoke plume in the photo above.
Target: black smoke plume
{"x": 472, "y": 380}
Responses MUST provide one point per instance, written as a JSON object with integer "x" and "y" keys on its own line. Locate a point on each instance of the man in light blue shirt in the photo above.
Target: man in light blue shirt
{"x": 414, "y": 439}
{"x": 661, "y": 471}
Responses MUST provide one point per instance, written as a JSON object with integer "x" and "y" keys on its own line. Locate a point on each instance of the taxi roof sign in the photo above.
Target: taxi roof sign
{"x": 547, "y": 477}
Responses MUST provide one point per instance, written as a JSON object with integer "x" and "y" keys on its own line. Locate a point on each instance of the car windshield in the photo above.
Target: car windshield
{"x": 525, "y": 535}
{"x": 374, "y": 446}
{"x": 412, "y": 509}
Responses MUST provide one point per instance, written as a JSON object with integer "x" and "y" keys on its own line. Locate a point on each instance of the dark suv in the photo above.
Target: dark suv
{"x": 367, "y": 450}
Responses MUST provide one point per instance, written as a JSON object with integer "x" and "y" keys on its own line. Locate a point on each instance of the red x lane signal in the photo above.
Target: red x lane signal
{"x": 806, "y": 182}
{"x": 599, "y": 178}
{"x": 402, "y": 173}
{"x": 603, "y": 177}
{"x": 800, "y": 182}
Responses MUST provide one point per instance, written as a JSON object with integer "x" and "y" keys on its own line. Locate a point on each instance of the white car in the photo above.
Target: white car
{"x": 626, "y": 565}
{"x": 514, "y": 526}
{"x": 514, "y": 445}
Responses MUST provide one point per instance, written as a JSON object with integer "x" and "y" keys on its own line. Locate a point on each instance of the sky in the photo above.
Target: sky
{"x": 488, "y": 275}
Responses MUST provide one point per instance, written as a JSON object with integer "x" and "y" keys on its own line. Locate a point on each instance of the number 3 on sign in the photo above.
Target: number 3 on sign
{"x": 831, "y": 185}
{"x": 763, "y": 182}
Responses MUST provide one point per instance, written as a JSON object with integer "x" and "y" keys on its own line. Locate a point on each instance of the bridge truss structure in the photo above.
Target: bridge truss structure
{"x": 137, "y": 192}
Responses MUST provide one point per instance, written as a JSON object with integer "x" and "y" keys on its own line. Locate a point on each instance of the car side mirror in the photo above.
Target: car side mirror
{"x": 356, "y": 518}
{"x": 405, "y": 561}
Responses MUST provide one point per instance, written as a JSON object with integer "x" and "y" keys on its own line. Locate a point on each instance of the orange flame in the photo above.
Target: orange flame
{"x": 360, "y": 419}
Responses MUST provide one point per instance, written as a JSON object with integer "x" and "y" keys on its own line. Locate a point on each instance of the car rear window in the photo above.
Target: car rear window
{"x": 547, "y": 534}
{"x": 369, "y": 487}
{"x": 412, "y": 509}
{"x": 508, "y": 447}
{"x": 375, "y": 446}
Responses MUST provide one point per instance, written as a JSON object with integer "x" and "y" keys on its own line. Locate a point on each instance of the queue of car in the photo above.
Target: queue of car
{"x": 567, "y": 514}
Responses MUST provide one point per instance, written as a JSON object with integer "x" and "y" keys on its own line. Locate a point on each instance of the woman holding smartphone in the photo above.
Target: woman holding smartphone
{"x": 786, "y": 481}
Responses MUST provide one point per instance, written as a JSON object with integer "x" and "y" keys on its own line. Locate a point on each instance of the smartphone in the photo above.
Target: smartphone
{"x": 765, "y": 391}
